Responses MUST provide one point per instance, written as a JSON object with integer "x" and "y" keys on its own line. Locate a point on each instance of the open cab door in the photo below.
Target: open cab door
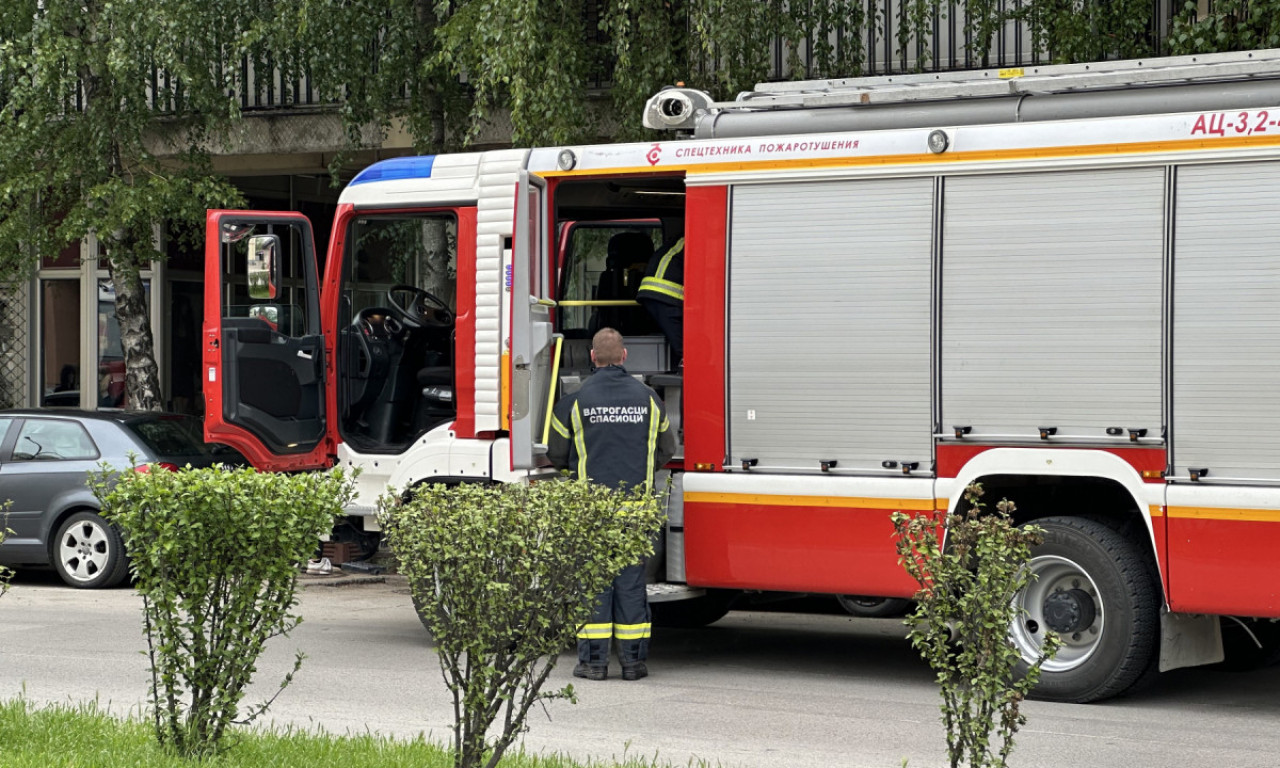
{"x": 532, "y": 340}
{"x": 264, "y": 353}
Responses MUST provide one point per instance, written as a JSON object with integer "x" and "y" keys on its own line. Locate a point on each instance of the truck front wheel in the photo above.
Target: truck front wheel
{"x": 694, "y": 612}
{"x": 1094, "y": 588}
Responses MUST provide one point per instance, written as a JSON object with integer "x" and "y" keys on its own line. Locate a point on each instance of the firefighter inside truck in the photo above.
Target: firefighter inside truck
{"x": 396, "y": 315}
{"x": 607, "y": 230}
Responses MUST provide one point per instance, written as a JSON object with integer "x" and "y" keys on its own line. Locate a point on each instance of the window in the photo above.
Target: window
{"x": 169, "y": 436}
{"x": 53, "y": 440}
{"x": 419, "y": 250}
{"x": 288, "y": 313}
{"x": 591, "y": 275}
{"x": 60, "y": 342}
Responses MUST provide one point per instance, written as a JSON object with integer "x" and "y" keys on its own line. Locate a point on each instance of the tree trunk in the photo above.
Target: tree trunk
{"x": 429, "y": 92}
{"x": 142, "y": 375}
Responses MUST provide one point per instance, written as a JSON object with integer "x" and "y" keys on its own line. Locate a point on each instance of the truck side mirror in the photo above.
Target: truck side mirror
{"x": 264, "y": 266}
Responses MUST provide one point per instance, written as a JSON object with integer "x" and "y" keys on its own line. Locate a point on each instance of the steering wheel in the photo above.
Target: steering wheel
{"x": 425, "y": 310}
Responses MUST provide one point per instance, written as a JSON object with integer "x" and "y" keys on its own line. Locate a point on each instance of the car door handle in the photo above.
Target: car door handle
{"x": 305, "y": 354}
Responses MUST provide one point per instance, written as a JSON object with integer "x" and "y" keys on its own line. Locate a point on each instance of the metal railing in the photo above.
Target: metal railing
{"x": 946, "y": 47}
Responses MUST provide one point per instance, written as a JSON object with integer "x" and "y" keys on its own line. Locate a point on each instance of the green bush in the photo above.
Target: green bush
{"x": 215, "y": 554}
{"x": 503, "y": 576}
{"x": 969, "y": 568}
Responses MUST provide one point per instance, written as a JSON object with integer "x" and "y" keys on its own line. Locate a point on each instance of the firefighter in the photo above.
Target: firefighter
{"x": 662, "y": 294}
{"x": 613, "y": 431}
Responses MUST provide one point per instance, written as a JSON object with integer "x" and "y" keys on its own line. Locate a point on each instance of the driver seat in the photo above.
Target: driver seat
{"x": 436, "y": 404}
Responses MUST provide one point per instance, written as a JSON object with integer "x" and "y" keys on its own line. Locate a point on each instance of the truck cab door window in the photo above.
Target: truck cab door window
{"x": 396, "y": 328}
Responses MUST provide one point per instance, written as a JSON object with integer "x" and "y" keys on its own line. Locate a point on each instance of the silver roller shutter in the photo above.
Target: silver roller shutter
{"x": 1052, "y": 302}
{"x": 829, "y": 323}
{"x": 1226, "y": 321}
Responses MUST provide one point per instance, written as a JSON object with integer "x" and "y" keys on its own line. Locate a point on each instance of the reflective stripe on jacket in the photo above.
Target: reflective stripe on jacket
{"x": 614, "y": 430}
{"x": 664, "y": 277}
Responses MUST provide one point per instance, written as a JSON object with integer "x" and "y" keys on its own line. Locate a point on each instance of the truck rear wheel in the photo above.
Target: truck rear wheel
{"x": 1094, "y": 588}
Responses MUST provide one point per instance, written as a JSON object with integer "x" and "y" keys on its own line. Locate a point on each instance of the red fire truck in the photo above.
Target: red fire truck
{"x": 1060, "y": 282}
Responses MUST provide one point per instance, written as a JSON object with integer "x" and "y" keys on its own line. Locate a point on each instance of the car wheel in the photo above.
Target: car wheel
{"x": 1094, "y": 588}
{"x": 88, "y": 552}
{"x": 874, "y": 607}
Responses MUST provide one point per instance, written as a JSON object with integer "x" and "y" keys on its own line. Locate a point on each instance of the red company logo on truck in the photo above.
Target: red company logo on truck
{"x": 654, "y": 154}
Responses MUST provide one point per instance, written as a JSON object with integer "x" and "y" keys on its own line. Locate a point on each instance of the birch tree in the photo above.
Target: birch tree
{"x": 107, "y": 111}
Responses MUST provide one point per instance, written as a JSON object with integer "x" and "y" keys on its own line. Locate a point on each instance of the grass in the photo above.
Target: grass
{"x": 84, "y": 736}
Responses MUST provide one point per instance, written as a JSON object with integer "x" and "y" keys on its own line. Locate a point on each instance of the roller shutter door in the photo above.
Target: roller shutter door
{"x": 1052, "y": 302}
{"x": 829, "y": 324}
{"x": 1226, "y": 321}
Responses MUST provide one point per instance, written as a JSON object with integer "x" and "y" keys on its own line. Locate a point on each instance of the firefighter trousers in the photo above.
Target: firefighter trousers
{"x": 621, "y": 612}
{"x": 670, "y": 319}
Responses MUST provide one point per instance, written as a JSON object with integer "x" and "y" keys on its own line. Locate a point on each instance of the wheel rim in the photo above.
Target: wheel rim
{"x": 84, "y": 550}
{"x": 859, "y": 601}
{"x": 1063, "y": 598}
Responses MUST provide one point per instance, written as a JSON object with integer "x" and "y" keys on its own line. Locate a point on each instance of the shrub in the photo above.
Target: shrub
{"x": 215, "y": 555}
{"x": 503, "y": 576}
{"x": 969, "y": 572}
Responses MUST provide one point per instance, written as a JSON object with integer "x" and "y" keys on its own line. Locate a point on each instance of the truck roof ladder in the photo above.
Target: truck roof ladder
{"x": 1055, "y": 78}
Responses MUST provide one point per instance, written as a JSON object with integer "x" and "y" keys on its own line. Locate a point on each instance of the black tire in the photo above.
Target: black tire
{"x": 88, "y": 552}
{"x": 694, "y": 612}
{"x": 1095, "y": 588}
{"x": 868, "y": 607}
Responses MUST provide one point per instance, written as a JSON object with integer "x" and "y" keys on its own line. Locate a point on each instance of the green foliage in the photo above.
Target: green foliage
{"x": 503, "y": 576}
{"x": 528, "y": 56}
{"x": 1229, "y": 25}
{"x": 215, "y": 555}
{"x": 81, "y": 149}
{"x": 969, "y": 570}
{"x": 647, "y": 42}
{"x": 86, "y": 736}
{"x": 107, "y": 115}
{"x": 915, "y": 26}
{"x": 382, "y": 61}
{"x": 1092, "y": 30}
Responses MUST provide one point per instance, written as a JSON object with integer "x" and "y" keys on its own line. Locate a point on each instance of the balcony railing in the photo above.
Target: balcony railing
{"x": 876, "y": 45}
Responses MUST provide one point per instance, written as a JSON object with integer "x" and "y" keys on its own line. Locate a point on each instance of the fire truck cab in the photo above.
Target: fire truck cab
{"x": 1058, "y": 282}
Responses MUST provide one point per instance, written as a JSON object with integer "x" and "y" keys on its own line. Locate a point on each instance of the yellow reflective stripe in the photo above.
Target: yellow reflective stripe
{"x": 665, "y": 287}
{"x": 666, "y": 260}
{"x": 658, "y": 282}
{"x": 595, "y": 632}
{"x": 560, "y": 429}
{"x": 665, "y": 425}
{"x": 579, "y": 442}
{"x": 652, "y": 446}
{"x": 632, "y": 631}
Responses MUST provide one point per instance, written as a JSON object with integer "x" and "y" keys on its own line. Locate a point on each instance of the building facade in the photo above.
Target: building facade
{"x": 59, "y": 340}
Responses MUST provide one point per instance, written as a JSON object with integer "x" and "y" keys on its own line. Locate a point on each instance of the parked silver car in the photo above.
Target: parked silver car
{"x": 46, "y": 458}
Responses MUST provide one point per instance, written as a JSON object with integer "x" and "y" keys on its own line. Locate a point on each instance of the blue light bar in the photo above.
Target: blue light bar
{"x": 418, "y": 167}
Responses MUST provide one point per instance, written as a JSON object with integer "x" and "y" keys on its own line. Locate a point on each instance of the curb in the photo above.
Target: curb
{"x": 339, "y": 580}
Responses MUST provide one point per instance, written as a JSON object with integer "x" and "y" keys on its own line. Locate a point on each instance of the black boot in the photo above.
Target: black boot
{"x": 634, "y": 671}
{"x": 594, "y": 671}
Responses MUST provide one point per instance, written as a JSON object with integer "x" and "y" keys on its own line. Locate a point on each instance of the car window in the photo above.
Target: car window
{"x": 170, "y": 436}
{"x": 53, "y": 440}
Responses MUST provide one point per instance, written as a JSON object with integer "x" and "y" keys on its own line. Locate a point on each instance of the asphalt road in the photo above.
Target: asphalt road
{"x": 759, "y": 689}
